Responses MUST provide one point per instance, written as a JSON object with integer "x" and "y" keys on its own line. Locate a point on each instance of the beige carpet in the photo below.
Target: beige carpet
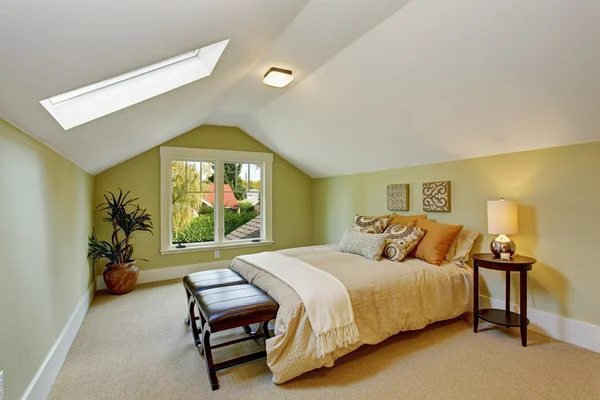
{"x": 137, "y": 347}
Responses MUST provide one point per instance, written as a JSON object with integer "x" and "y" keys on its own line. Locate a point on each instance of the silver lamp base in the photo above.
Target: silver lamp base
{"x": 502, "y": 244}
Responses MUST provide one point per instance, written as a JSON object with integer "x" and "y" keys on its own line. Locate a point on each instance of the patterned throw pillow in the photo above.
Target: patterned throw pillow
{"x": 367, "y": 245}
{"x": 400, "y": 240}
{"x": 366, "y": 224}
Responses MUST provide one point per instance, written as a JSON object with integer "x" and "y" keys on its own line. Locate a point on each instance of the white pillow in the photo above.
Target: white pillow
{"x": 368, "y": 245}
{"x": 461, "y": 247}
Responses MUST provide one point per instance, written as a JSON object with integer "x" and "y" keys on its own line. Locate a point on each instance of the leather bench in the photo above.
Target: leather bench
{"x": 197, "y": 281}
{"x": 230, "y": 307}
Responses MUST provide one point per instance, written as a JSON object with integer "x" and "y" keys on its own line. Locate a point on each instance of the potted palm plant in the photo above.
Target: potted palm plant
{"x": 121, "y": 272}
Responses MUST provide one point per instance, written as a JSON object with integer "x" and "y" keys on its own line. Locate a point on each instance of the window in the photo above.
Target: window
{"x": 88, "y": 103}
{"x": 214, "y": 199}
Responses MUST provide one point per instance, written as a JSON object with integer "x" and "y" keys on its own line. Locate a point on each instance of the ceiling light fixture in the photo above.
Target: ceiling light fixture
{"x": 278, "y": 77}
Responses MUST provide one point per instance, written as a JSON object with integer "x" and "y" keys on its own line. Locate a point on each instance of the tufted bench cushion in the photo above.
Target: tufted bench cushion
{"x": 203, "y": 280}
{"x": 230, "y": 307}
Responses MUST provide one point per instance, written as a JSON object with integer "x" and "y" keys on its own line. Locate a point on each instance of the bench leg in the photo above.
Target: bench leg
{"x": 191, "y": 305}
{"x": 210, "y": 365}
{"x": 194, "y": 325}
{"x": 189, "y": 299}
{"x": 248, "y": 330}
{"x": 265, "y": 330}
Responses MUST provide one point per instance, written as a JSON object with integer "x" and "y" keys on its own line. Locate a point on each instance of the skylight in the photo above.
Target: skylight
{"x": 88, "y": 103}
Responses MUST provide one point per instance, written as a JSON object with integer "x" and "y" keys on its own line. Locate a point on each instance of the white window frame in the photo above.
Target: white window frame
{"x": 219, "y": 157}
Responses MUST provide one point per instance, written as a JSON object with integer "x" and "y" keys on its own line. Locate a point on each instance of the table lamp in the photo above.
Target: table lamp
{"x": 502, "y": 221}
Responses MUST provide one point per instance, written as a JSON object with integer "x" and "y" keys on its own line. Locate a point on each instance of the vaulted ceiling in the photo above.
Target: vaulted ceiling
{"x": 378, "y": 84}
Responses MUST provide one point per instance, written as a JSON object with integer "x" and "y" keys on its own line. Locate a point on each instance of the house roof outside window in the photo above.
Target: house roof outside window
{"x": 228, "y": 197}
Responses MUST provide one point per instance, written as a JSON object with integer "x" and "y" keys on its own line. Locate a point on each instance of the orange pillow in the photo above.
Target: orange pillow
{"x": 437, "y": 241}
{"x": 406, "y": 220}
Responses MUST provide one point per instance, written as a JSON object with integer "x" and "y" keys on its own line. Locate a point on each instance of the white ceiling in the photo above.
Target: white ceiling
{"x": 378, "y": 84}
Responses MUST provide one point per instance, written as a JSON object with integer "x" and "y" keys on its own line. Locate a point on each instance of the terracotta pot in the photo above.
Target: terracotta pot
{"x": 121, "y": 278}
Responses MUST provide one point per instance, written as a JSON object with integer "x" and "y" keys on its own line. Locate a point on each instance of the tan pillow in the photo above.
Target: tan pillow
{"x": 400, "y": 240}
{"x": 437, "y": 241}
{"x": 461, "y": 247}
{"x": 367, "y": 224}
{"x": 406, "y": 220}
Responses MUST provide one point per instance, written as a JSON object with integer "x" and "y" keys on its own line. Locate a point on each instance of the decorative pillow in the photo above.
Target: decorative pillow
{"x": 367, "y": 245}
{"x": 366, "y": 224}
{"x": 400, "y": 240}
{"x": 437, "y": 241}
{"x": 406, "y": 220}
{"x": 461, "y": 247}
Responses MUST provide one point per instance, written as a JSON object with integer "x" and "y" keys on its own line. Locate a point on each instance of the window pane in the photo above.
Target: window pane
{"x": 254, "y": 183}
{"x": 193, "y": 202}
{"x": 235, "y": 176}
{"x": 242, "y": 201}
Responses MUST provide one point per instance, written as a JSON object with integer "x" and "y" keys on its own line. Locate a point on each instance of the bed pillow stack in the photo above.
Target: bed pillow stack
{"x": 415, "y": 236}
{"x": 399, "y": 230}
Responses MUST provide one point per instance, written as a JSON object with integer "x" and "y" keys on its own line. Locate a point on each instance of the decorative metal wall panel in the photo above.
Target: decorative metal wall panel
{"x": 436, "y": 196}
{"x": 398, "y": 197}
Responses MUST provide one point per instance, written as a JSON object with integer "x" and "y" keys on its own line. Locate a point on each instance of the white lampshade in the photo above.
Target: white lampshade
{"x": 278, "y": 77}
{"x": 502, "y": 217}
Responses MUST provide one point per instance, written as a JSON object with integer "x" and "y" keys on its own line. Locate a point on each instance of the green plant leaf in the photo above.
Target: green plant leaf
{"x": 126, "y": 217}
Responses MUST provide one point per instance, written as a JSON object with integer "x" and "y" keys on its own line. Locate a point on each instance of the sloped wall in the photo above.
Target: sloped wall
{"x": 45, "y": 218}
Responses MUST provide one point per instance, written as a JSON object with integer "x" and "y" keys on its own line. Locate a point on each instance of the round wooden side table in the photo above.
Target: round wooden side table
{"x": 505, "y": 317}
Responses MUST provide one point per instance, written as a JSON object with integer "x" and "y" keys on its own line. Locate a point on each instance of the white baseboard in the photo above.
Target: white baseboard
{"x": 164, "y": 274}
{"x": 40, "y": 386}
{"x": 568, "y": 330}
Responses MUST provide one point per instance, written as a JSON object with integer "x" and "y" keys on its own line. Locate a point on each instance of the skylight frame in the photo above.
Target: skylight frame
{"x": 123, "y": 77}
{"x": 85, "y": 104}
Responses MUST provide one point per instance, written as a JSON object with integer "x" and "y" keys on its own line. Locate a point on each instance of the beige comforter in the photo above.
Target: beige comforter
{"x": 387, "y": 297}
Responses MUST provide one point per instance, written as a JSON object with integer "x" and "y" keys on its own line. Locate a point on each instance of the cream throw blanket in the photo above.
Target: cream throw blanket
{"x": 325, "y": 298}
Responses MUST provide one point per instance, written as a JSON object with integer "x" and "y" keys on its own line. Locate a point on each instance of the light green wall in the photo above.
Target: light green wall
{"x": 557, "y": 189}
{"x": 45, "y": 217}
{"x": 292, "y": 197}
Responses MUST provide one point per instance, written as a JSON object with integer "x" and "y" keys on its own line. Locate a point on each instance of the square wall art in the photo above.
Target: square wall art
{"x": 436, "y": 196}
{"x": 397, "y": 197}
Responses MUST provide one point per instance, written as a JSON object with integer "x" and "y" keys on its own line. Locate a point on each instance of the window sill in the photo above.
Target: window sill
{"x": 223, "y": 246}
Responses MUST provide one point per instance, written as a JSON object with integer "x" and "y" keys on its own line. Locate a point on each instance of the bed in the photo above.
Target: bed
{"x": 387, "y": 298}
